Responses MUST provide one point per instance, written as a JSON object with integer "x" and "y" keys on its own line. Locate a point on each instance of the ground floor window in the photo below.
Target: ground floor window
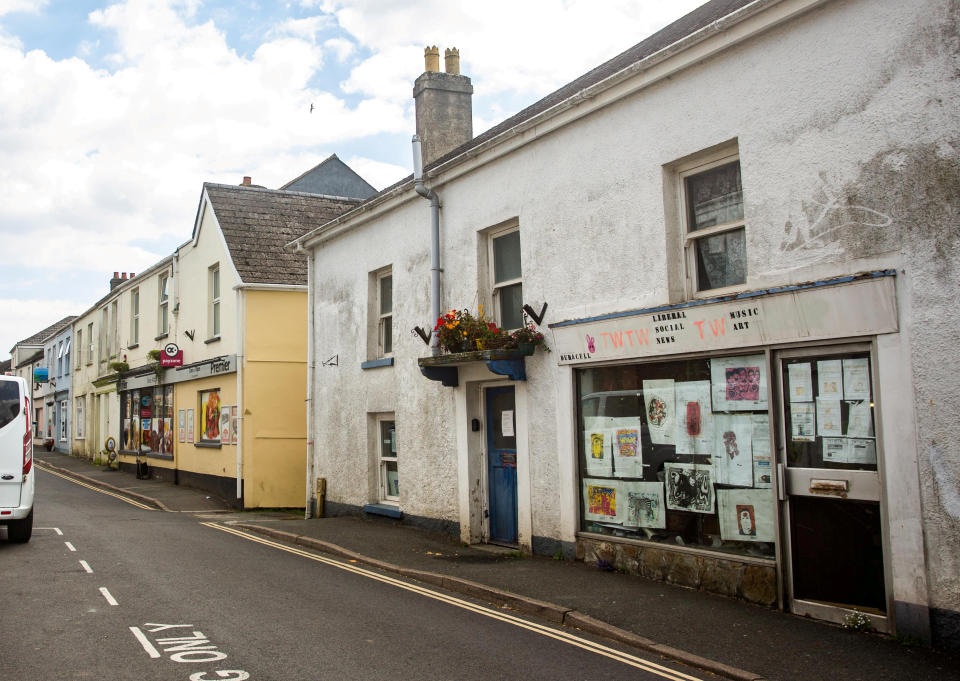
{"x": 389, "y": 477}
{"x": 63, "y": 421}
{"x": 679, "y": 453}
{"x": 147, "y": 417}
{"x": 80, "y": 417}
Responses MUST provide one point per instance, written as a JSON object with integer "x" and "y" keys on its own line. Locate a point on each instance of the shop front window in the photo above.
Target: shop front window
{"x": 147, "y": 418}
{"x": 210, "y": 416}
{"x": 679, "y": 453}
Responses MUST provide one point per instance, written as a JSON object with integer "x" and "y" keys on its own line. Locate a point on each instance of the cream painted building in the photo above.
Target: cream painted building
{"x": 745, "y": 232}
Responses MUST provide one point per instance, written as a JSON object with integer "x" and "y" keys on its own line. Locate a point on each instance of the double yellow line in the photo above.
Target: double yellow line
{"x": 96, "y": 489}
{"x": 543, "y": 630}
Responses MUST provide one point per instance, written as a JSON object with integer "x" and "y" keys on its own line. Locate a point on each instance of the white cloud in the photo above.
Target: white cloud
{"x": 377, "y": 173}
{"x": 31, "y": 316}
{"x": 341, "y": 48}
{"x": 29, "y": 6}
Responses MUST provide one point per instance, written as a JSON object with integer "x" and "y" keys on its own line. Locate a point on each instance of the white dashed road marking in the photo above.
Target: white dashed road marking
{"x": 86, "y": 567}
{"x": 69, "y": 546}
{"x": 106, "y": 594}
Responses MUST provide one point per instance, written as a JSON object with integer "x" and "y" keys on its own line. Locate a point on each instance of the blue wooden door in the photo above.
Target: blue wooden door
{"x": 502, "y": 464}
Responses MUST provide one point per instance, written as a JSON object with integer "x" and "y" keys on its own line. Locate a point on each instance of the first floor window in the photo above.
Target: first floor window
{"x": 147, "y": 418}
{"x": 507, "y": 277}
{"x": 79, "y": 421}
{"x": 715, "y": 241}
{"x": 63, "y": 421}
{"x": 389, "y": 477}
{"x": 214, "y": 301}
{"x": 385, "y": 310}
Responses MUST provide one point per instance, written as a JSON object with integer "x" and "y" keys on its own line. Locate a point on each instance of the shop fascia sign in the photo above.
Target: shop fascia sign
{"x": 225, "y": 364}
{"x": 846, "y": 307}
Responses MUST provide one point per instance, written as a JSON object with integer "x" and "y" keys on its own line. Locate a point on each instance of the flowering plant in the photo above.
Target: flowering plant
{"x": 461, "y": 331}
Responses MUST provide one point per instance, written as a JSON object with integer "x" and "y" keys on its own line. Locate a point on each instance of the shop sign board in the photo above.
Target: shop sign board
{"x": 856, "y": 308}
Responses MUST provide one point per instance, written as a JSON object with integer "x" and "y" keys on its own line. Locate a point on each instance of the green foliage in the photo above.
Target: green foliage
{"x": 119, "y": 367}
{"x": 857, "y": 621}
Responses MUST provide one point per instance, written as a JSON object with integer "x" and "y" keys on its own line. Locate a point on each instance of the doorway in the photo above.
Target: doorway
{"x": 833, "y": 507}
{"x": 500, "y": 406}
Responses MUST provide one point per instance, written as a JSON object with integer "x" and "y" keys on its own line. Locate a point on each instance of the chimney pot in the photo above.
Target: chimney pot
{"x": 451, "y": 61}
{"x": 116, "y": 275}
{"x": 132, "y": 275}
{"x": 246, "y": 181}
{"x": 431, "y": 58}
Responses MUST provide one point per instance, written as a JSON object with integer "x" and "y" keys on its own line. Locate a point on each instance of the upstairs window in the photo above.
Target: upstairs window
{"x": 79, "y": 348}
{"x": 507, "y": 282}
{"x": 715, "y": 244}
{"x": 90, "y": 340}
{"x": 214, "y": 305}
{"x": 385, "y": 310}
{"x": 134, "y": 317}
{"x": 163, "y": 303}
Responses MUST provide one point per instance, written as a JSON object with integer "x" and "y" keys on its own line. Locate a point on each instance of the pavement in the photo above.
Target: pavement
{"x": 721, "y": 636}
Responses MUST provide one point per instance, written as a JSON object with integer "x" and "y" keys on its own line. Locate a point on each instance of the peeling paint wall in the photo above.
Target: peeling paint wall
{"x": 846, "y": 119}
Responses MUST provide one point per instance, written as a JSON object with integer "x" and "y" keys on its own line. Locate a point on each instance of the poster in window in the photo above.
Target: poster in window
{"x": 627, "y": 452}
{"x": 167, "y": 435}
{"x": 600, "y": 500}
{"x": 225, "y": 424}
{"x": 739, "y": 383}
{"x": 836, "y": 450}
{"x": 181, "y": 425}
{"x": 863, "y": 451}
{"x": 859, "y": 419}
{"x": 127, "y": 441}
{"x": 645, "y": 504}
{"x": 856, "y": 379}
{"x": 733, "y": 450}
{"x": 658, "y": 402}
{"x": 745, "y": 514}
{"x": 803, "y": 422}
{"x": 145, "y": 425}
{"x": 828, "y": 418}
{"x": 134, "y": 432}
{"x": 694, "y": 423}
{"x": 210, "y": 416}
{"x": 762, "y": 459}
{"x": 599, "y": 450}
{"x": 801, "y": 383}
{"x": 156, "y": 435}
{"x": 233, "y": 425}
{"x": 830, "y": 378}
{"x": 689, "y": 487}
{"x": 189, "y": 425}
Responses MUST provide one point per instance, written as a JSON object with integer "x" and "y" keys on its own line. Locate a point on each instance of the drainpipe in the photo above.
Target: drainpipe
{"x": 310, "y": 501}
{"x": 435, "y": 270}
{"x": 241, "y": 356}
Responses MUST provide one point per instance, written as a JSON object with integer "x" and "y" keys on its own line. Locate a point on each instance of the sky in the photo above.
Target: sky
{"x": 112, "y": 116}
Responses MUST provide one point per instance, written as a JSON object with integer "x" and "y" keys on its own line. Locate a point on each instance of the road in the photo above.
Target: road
{"x": 108, "y": 589}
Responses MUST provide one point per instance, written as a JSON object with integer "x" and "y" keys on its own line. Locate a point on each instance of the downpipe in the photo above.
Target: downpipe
{"x": 435, "y": 270}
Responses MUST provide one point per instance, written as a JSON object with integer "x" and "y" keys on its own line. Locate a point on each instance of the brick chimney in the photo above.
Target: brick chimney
{"x": 444, "y": 105}
{"x": 247, "y": 180}
{"x": 116, "y": 281}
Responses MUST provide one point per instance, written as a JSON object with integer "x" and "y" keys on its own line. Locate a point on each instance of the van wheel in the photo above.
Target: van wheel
{"x": 19, "y": 531}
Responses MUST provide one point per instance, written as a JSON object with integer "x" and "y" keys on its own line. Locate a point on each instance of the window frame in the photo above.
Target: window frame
{"x": 689, "y": 238}
{"x": 63, "y": 420}
{"x": 213, "y": 301}
{"x": 134, "y": 317}
{"x": 90, "y": 350}
{"x": 496, "y": 286}
{"x": 79, "y": 348}
{"x": 383, "y": 461}
{"x": 163, "y": 304}
{"x": 79, "y": 406}
{"x": 384, "y": 318}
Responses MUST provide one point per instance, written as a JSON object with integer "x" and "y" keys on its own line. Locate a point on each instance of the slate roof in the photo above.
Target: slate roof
{"x": 40, "y": 336}
{"x": 331, "y": 177}
{"x": 257, "y": 223}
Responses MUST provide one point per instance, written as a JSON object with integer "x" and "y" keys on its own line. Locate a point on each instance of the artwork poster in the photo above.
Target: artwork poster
{"x": 732, "y": 449}
{"x": 627, "y": 452}
{"x": 803, "y": 422}
{"x": 659, "y": 401}
{"x": 181, "y": 425}
{"x": 739, "y": 383}
{"x": 689, "y": 487}
{"x": 225, "y": 424}
{"x": 856, "y": 379}
{"x": 234, "y": 416}
{"x": 645, "y": 506}
{"x": 189, "y": 425}
{"x": 746, "y": 514}
{"x": 601, "y": 500}
{"x": 762, "y": 457}
{"x": 830, "y": 378}
{"x": 694, "y": 422}
{"x": 800, "y": 382}
{"x": 598, "y": 451}
{"x": 829, "y": 423}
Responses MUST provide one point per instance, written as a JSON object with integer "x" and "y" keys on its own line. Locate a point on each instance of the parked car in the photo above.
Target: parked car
{"x": 16, "y": 459}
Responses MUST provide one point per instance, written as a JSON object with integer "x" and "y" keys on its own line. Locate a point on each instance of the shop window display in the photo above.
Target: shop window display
{"x": 679, "y": 453}
{"x": 147, "y": 418}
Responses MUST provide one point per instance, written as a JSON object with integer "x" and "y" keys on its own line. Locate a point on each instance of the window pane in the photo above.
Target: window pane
{"x": 715, "y": 197}
{"x": 391, "y": 479}
{"x": 216, "y": 284}
{"x": 511, "y": 306}
{"x": 506, "y": 257}
{"x": 386, "y": 295}
{"x": 388, "y": 439}
{"x": 216, "y": 319}
{"x": 721, "y": 260}
{"x": 386, "y": 331}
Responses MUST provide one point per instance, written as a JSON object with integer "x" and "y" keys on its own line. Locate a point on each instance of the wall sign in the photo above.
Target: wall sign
{"x": 856, "y": 308}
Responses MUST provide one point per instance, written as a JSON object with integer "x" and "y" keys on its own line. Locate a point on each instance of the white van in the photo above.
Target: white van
{"x": 16, "y": 459}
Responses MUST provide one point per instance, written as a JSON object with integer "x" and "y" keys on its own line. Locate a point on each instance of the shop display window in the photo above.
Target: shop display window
{"x": 147, "y": 419}
{"x": 679, "y": 453}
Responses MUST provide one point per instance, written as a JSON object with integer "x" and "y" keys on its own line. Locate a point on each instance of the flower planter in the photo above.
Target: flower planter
{"x": 508, "y": 363}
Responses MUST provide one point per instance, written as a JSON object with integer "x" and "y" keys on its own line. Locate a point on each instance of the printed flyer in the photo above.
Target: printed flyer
{"x": 801, "y": 384}
{"x": 739, "y": 383}
{"x": 658, "y": 400}
{"x": 745, "y": 514}
{"x": 732, "y": 456}
{"x": 694, "y": 423}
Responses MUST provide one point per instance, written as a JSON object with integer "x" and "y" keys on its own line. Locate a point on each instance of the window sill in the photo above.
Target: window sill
{"x": 215, "y": 339}
{"x": 161, "y": 336}
{"x": 133, "y": 347}
{"x": 377, "y": 363}
{"x": 384, "y": 508}
{"x": 208, "y": 445}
